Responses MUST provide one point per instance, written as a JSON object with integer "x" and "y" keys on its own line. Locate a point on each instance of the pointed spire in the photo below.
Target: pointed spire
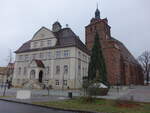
{"x": 97, "y": 13}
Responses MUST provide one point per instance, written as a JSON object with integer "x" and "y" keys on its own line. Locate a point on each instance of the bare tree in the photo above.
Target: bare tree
{"x": 144, "y": 59}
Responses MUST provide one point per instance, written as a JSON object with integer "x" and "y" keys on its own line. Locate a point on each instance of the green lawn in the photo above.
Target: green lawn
{"x": 5, "y": 96}
{"x": 100, "y": 105}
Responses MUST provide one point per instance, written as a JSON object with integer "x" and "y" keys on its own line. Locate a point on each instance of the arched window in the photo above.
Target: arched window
{"x": 19, "y": 71}
{"x": 65, "y": 69}
{"x": 25, "y": 70}
{"x": 32, "y": 75}
{"x": 57, "y": 69}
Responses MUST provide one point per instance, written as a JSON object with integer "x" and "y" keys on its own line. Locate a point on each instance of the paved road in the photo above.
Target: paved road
{"x": 9, "y": 107}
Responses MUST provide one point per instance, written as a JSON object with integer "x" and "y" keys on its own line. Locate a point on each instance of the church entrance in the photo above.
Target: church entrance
{"x": 40, "y": 76}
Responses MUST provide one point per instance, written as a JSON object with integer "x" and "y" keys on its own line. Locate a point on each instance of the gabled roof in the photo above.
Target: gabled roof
{"x": 65, "y": 38}
{"x": 42, "y": 29}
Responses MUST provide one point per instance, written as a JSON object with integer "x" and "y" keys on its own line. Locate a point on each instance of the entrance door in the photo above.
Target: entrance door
{"x": 40, "y": 76}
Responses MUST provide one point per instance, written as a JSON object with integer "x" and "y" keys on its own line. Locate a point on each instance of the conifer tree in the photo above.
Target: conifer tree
{"x": 97, "y": 63}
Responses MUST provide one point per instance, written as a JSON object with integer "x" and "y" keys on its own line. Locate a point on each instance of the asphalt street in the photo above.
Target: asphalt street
{"x": 10, "y": 107}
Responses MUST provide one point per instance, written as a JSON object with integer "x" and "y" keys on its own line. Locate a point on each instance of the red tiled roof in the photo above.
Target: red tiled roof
{"x": 40, "y": 63}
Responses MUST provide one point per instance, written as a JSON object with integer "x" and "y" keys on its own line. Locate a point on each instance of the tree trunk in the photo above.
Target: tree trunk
{"x": 147, "y": 78}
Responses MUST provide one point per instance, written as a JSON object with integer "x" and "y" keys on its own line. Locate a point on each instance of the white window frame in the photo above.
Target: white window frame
{"x": 58, "y": 54}
{"x": 66, "y": 53}
{"x": 57, "y": 82}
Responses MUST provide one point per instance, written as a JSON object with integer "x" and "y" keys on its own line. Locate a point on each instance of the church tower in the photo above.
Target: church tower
{"x": 122, "y": 67}
{"x": 97, "y": 25}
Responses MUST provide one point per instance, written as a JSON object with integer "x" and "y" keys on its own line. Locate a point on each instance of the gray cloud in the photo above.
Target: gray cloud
{"x": 20, "y": 19}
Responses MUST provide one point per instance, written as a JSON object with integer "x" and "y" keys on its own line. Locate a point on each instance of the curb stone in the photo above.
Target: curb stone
{"x": 54, "y": 108}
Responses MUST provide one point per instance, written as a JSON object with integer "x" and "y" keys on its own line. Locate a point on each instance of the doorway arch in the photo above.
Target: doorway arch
{"x": 40, "y": 76}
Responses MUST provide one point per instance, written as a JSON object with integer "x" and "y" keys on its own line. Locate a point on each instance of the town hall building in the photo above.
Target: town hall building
{"x": 56, "y": 58}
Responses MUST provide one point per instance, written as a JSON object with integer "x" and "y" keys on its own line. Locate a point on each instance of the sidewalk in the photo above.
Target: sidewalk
{"x": 36, "y": 99}
{"x": 137, "y": 93}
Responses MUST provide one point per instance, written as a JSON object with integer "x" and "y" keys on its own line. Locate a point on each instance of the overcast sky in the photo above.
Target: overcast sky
{"x": 20, "y": 19}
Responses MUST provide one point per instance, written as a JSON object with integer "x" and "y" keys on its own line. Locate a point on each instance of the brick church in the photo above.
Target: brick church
{"x": 122, "y": 67}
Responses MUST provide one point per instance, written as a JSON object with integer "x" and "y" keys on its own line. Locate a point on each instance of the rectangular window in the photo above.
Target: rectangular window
{"x": 65, "y": 82}
{"x": 42, "y": 43}
{"x": 79, "y": 68}
{"x": 48, "y": 70}
{"x": 26, "y": 57}
{"x": 35, "y": 44}
{"x": 66, "y": 53}
{"x": 19, "y": 71}
{"x": 25, "y": 70}
{"x": 86, "y": 58}
{"x": 79, "y": 64}
{"x": 34, "y": 56}
{"x": 57, "y": 69}
{"x": 49, "y": 43}
{"x": 58, "y": 54}
{"x": 83, "y": 71}
{"x": 20, "y": 57}
{"x": 57, "y": 82}
{"x": 49, "y": 55}
{"x": 41, "y": 55}
{"x": 79, "y": 54}
{"x": 65, "y": 69}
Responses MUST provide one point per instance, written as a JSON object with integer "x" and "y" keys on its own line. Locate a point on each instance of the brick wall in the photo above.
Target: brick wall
{"x": 122, "y": 68}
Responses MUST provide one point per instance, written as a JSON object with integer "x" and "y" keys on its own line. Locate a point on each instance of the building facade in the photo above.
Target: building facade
{"x": 56, "y": 57}
{"x": 122, "y": 67}
{"x": 59, "y": 59}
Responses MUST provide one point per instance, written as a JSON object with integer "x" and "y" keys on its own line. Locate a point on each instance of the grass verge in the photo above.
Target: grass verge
{"x": 100, "y": 105}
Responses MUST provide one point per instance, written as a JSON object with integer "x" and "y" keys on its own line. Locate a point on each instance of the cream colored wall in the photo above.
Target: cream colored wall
{"x": 43, "y": 35}
{"x": 74, "y": 80}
